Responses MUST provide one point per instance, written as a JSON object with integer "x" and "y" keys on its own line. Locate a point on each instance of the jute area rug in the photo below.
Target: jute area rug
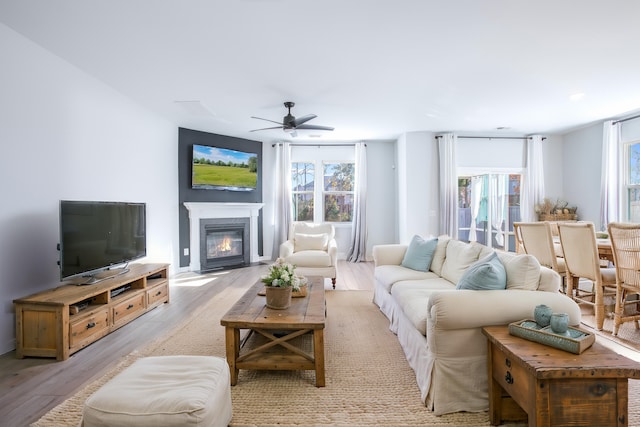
{"x": 368, "y": 381}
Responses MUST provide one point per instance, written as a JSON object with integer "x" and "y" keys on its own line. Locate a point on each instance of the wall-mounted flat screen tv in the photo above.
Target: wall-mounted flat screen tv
{"x": 215, "y": 168}
{"x": 95, "y": 236}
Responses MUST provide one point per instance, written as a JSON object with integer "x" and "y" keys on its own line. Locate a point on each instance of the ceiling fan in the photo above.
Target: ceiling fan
{"x": 290, "y": 124}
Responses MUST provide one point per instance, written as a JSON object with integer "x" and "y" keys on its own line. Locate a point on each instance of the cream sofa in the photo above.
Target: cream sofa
{"x": 440, "y": 327}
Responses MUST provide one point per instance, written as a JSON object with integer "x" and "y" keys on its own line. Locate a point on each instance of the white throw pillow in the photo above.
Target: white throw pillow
{"x": 439, "y": 254}
{"x": 460, "y": 256}
{"x": 523, "y": 271}
{"x": 310, "y": 242}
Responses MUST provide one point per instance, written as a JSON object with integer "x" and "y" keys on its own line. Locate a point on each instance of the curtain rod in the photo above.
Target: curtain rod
{"x": 494, "y": 137}
{"x": 319, "y": 145}
{"x": 624, "y": 120}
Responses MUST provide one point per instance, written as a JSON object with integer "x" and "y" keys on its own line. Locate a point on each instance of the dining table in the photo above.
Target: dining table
{"x": 605, "y": 251}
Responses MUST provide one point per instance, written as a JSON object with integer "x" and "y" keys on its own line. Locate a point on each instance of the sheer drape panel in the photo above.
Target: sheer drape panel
{"x": 609, "y": 196}
{"x": 358, "y": 249}
{"x": 533, "y": 182}
{"x": 499, "y": 206}
{"x": 282, "y": 216}
{"x": 448, "y": 185}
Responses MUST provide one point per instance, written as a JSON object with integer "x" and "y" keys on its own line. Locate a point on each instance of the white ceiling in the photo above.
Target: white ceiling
{"x": 373, "y": 69}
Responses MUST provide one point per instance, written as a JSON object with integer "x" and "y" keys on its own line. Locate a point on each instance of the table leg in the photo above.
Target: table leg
{"x": 495, "y": 392}
{"x": 232, "y": 341}
{"x": 318, "y": 356}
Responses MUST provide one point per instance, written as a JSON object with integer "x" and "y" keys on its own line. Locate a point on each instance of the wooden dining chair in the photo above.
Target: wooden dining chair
{"x": 625, "y": 244}
{"x": 537, "y": 240}
{"x": 580, "y": 250}
{"x": 518, "y": 238}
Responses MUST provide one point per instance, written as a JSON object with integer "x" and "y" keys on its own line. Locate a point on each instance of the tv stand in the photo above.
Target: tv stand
{"x": 60, "y": 321}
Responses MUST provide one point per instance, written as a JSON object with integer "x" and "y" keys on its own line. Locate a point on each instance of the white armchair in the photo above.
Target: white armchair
{"x": 312, "y": 249}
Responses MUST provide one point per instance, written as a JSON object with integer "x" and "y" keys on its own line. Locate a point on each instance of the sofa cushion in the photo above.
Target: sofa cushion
{"x": 310, "y": 258}
{"x": 439, "y": 254}
{"x": 523, "y": 270}
{"x": 419, "y": 253}
{"x": 459, "y": 257}
{"x": 413, "y": 296}
{"x": 387, "y": 275}
{"x": 310, "y": 242}
{"x": 485, "y": 274}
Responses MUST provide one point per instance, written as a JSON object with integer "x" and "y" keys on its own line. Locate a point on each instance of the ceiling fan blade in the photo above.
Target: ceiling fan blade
{"x": 300, "y": 120}
{"x": 314, "y": 127}
{"x": 275, "y": 127}
{"x": 272, "y": 121}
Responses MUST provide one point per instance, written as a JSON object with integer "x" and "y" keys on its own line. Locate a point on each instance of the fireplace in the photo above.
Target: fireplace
{"x": 207, "y": 211}
{"x": 224, "y": 242}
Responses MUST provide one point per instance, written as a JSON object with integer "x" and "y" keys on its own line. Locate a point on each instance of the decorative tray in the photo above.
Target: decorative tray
{"x": 574, "y": 341}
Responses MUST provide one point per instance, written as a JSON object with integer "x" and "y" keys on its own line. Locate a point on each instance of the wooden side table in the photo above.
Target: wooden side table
{"x": 554, "y": 387}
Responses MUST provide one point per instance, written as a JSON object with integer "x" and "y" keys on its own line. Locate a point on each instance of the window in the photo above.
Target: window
{"x": 330, "y": 202}
{"x": 302, "y": 189}
{"x": 632, "y": 182}
{"x": 488, "y": 205}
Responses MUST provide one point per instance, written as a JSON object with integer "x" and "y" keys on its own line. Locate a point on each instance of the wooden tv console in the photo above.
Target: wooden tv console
{"x": 60, "y": 321}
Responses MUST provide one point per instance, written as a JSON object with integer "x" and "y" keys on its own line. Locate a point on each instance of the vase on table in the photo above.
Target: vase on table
{"x": 542, "y": 315}
{"x": 277, "y": 297}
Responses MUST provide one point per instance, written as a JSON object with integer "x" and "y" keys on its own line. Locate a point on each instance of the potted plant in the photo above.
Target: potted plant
{"x": 280, "y": 282}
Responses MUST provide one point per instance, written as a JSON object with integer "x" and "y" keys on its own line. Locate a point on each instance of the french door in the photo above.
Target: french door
{"x": 488, "y": 205}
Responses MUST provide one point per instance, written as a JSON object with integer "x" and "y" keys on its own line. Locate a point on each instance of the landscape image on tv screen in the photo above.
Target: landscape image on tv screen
{"x": 216, "y": 168}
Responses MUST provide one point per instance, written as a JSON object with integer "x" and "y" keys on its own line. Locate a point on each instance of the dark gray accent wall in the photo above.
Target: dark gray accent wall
{"x": 186, "y": 139}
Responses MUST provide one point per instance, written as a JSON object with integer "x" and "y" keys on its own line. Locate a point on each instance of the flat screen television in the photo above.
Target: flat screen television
{"x": 96, "y": 236}
{"x": 215, "y": 168}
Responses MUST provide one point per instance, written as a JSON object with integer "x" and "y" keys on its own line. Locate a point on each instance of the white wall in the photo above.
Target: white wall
{"x": 66, "y": 135}
{"x": 382, "y": 194}
{"x": 418, "y": 189}
{"x": 582, "y": 166}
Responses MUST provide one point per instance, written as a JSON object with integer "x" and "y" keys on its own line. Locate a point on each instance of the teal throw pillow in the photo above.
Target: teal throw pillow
{"x": 419, "y": 253}
{"x": 485, "y": 274}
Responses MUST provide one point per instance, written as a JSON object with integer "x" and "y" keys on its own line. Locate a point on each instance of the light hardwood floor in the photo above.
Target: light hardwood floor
{"x": 31, "y": 387}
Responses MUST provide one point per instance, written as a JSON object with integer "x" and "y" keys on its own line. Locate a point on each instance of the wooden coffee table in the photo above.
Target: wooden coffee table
{"x": 280, "y": 328}
{"x": 554, "y": 387}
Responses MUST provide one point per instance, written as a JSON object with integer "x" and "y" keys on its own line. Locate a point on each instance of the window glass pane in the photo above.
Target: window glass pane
{"x": 338, "y": 176}
{"x": 634, "y": 205}
{"x": 303, "y": 207}
{"x": 302, "y": 176}
{"x": 338, "y": 207}
{"x": 634, "y": 164}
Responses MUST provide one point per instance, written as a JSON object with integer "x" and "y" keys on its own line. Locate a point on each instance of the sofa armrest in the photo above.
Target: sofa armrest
{"x": 391, "y": 254}
{"x": 286, "y": 249}
{"x": 332, "y": 248}
{"x": 464, "y": 309}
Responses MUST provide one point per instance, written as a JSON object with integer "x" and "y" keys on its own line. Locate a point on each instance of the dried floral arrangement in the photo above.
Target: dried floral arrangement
{"x": 558, "y": 210}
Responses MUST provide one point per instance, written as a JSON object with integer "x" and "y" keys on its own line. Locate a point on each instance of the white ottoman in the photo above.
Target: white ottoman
{"x": 164, "y": 391}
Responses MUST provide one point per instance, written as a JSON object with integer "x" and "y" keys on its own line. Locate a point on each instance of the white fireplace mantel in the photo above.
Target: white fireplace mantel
{"x": 206, "y": 210}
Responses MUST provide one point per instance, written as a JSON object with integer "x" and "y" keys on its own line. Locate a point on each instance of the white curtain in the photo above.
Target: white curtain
{"x": 282, "y": 216}
{"x": 476, "y": 197}
{"x": 609, "y": 196}
{"x": 498, "y": 201}
{"x": 532, "y": 191}
{"x": 357, "y": 251}
{"x": 448, "y": 185}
